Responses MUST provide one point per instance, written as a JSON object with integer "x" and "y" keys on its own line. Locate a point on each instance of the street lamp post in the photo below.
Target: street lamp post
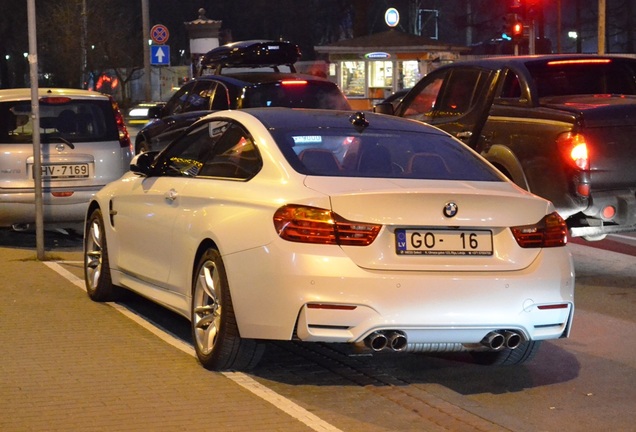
{"x": 35, "y": 114}
{"x": 145, "y": 19}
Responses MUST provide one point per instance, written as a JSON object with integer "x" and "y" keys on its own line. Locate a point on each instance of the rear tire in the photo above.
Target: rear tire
{"x": 97, "y": 278}
{"x": 215, "y": 333}
{"x": 508, "y": 357}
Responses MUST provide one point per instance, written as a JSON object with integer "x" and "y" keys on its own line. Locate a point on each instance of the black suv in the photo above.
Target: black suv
{"x": 240, "y": 75}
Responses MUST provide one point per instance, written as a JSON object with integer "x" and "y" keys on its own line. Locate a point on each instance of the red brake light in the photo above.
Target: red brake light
{"x": 293, "y": 82}
{"x": 124, "y": 137}
{"x": 315, "y": 225}
{"x": 551, "y": 231}
{"x": 575, "y": 151}
{"x": 578, "y": 61}
{"x": 55, "y": 100}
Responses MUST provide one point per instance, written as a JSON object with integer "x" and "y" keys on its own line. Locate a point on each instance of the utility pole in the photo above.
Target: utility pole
{"x": 601, "y": 26}
{"x": 35, "y": 121}
{"x": 145, "y": 18}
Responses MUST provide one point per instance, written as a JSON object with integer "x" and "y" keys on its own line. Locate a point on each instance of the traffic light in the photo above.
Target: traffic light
{"x": 517, "y": 30}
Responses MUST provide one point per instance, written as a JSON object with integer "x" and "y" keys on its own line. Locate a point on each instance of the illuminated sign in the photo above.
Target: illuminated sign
{"x": 377, "y": 55}
{"x": 392, "y": 17}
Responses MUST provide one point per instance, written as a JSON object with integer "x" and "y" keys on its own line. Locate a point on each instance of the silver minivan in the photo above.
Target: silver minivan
{"x": 84, "y": 145}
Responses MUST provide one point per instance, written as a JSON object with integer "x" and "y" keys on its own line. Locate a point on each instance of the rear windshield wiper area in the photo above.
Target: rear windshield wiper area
{"x": 50, "y": 139}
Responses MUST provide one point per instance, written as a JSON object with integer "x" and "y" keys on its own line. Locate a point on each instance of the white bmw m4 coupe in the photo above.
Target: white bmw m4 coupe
{"x": 332, "y": 227}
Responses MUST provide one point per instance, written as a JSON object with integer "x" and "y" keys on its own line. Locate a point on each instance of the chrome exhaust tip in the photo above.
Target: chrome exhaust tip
{"x": 377, "y": 341}
{"x": 397, "y": 341}
{"x": 494, "y": 341}
{"x": 513, "y": 339}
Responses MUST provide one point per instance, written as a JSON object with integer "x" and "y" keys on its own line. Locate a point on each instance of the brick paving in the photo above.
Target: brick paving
{"x": 69, "y": 364}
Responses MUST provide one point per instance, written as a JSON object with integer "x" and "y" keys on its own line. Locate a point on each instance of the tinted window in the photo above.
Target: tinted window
{"x": 421, "y": 106}
{"x": 388, "y": 154}
{"x": 295, "y": 94}
{"x": 460, "y": 93}
{"x": 199, "y": 97}
{"x": 75, "y": 120}
{"x": 177, "y": 101}
{"x": 215, "y": 149}
{"x": 586, "y": 77}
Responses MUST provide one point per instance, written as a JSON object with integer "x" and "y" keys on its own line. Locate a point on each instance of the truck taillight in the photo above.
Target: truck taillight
{"x": 306, "y": 224}
{"x": 551, "y": 231}
{"x": 124, "y": 137}
{"x": 575, "y": 150}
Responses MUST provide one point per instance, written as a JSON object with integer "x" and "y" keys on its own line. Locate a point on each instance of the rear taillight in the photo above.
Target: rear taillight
{"x": 575, "y": 150}
{"x": 315, "y": 225}
{"x": 55, "y": 100}
{"x": 551, "y": 231}
{"x": 294, "y": 82}
{"x": 124, "y": 137}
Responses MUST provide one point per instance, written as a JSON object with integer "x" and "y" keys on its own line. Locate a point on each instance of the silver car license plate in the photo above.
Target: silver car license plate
{"x": 65, "y": 171}
{"x": 443, "y": 242}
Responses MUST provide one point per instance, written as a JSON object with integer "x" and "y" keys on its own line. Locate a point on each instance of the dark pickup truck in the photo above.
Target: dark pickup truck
{"x": 562, "y": 127}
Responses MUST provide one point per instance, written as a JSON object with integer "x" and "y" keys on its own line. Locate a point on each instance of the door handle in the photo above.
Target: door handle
{"x": 171, "y": 195}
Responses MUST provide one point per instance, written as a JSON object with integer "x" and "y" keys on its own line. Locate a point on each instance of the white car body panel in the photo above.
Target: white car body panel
{"x": 160, "y": 224}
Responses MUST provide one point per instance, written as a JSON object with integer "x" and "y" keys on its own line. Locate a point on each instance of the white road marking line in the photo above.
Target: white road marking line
{"x": 287, "y": 406}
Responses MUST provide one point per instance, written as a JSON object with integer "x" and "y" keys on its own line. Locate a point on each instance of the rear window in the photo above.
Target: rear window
{"x": 74, "y": 120}
{"x": 579, "y": 77}
{"x": 387, "y": 154}
{"x": 296, "y": 94}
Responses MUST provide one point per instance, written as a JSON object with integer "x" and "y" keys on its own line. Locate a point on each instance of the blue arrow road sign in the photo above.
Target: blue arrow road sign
{"x": 160, "y": 55}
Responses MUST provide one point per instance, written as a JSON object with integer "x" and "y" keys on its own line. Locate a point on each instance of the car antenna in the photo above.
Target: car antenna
{"x": 359, "y": 121}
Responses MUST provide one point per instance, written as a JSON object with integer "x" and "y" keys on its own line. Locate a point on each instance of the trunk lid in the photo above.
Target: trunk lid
{"x": 417, "y": 207}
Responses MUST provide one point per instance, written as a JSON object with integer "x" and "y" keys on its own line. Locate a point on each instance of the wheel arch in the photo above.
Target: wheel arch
{"x": 203, "y": 246}
{"x": 503, "y": 158}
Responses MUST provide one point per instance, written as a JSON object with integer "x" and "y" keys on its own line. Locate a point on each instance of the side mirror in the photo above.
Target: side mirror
{"x": 155, "y": 112}
{"x": 384, "y": 108}
{"x": 141, "y": 164}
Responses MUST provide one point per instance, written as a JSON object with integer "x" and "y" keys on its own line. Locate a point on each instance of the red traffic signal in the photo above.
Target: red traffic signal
{"x": 517, "y": 29}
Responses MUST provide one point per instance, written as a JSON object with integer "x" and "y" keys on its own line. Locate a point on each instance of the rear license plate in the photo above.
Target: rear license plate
{"x": 443, "y": 242}
{"x": 65, "y": 171}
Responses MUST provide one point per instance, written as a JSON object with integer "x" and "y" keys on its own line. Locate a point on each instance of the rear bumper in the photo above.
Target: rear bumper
{"x": 329, "y": 299}
{"x": 19, "y": 207}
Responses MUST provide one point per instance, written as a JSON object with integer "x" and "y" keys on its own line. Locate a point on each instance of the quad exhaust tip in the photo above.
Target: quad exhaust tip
{"x": 393, "y": 340}
{"x": 498, "y": 340}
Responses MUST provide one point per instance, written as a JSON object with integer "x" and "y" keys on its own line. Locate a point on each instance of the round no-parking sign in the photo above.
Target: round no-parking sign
{"x": 159, "y": 34}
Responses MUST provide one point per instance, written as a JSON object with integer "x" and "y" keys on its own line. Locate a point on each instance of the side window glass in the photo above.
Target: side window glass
{"x": 511, "y": 87}
{"x": 461, "y": 92}
{"x": 421, "y": 107}
{"x": 221, "y": 98}
{"x": 175, "y": 104}
{"x": 200, "y": 96}
{"x": 187, "y": 158}
{"x": 234, "y": 156}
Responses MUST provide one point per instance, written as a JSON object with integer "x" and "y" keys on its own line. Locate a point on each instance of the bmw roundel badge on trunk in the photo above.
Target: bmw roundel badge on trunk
{"x": 450, "y": 209}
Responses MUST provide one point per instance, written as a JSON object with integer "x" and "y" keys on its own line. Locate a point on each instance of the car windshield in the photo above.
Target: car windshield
{"x": 579, "y": 77}
{"x": 296, "y": 94}
{"x": 74, "y": 120}
{"x": 387, "y": 154}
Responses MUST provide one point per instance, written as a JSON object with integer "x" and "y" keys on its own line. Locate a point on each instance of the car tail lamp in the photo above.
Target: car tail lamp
{"x": 124, "y": 137}
{"x": 551, "y": 231}
{"x": 305, "y": 224}
{"x": 578, "y": 61}
{"x": 54, "y": 100}
{"x": 294, "y": 82}
{"x": 575, "y": 150}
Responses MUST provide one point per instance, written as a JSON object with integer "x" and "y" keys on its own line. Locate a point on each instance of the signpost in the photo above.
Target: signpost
{"x": 159, "y": 53}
